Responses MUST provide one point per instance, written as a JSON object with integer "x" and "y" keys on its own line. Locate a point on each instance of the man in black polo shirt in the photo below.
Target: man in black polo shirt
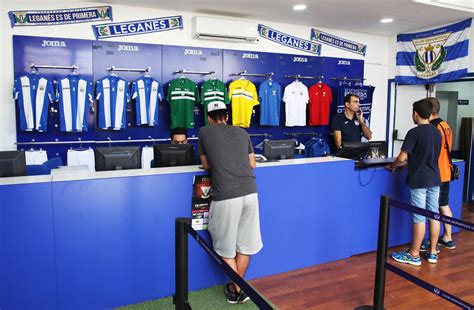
{"x": 349, "y": 126}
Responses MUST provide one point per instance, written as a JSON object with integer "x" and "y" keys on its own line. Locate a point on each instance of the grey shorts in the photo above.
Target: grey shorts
{"x": 234, "y": 225}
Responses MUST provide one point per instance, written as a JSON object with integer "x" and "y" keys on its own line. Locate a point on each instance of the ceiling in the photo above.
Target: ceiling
{"x": 352, "y": 15}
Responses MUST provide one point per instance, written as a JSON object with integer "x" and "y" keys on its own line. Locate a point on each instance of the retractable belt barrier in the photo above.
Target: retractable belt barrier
{"x": 382, "y": 265}
{"x": 180, "y": 299}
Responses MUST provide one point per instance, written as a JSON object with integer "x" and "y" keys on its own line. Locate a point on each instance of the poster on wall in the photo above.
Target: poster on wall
{"x": 365, "y": 94}
{"x": 288, "y": 40}
{"x": 337, "y": 42}
{"x": 201, "y": 201}
{"x": 105, "y": 31}
{"x": 57, "y": 17}
{"x": 433, "y": 56}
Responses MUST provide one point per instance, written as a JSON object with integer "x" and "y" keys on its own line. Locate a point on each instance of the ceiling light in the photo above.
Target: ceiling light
{"x": 299, "y": 7}
{"x": 386, "y": 20}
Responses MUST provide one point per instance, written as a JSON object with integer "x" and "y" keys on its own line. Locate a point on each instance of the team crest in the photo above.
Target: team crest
{"x": 20, "y": 17}
{"x": 81, "y": 90}
{"x": 430, "y": 55}
{"x": 41, "y": 88}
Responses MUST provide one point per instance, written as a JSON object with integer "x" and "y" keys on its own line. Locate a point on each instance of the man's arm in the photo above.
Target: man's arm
{"x": 253, "y": 162}
{"x": 337, "y": 138}
{"x": 401, "y": 161}
{"x": 205, "y": 163}
{"x": 365, "y": 130}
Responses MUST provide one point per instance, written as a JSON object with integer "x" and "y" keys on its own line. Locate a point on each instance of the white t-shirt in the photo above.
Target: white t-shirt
{"x": 81, "y": 158}
{"x": 147, "y": 157}
{"x": 36, "y": 157}
{"x": 296, "y": 98}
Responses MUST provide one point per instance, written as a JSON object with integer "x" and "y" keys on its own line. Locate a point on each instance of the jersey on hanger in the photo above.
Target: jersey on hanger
{"x": 147, "y": 93}
{"x": 33, "y": 94}
{"x": 113, "y": 93}
{"x": 243, "y": 95}
{"x": 320, "y": 98}
{"x": 182, "y": 95}
{"x": 212, "y": 91}
{"x": 74, "y": 95}
{"x": 270, "y": 98}
{"x": 296, "y": 98}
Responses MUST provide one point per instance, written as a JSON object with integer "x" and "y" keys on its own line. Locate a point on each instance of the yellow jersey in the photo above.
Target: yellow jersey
{"x": 243, "y": 96}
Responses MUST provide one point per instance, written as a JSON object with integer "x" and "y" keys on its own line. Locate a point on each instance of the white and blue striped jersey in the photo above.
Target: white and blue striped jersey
{"x": 75, "y": 96}
{"x": 147, "y": 93}
{"x": 33, "y": 94}
{"x": 113, "y": 93}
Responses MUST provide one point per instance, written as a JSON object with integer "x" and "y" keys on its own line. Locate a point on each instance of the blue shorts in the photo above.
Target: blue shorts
{"x": 424, "y": 198}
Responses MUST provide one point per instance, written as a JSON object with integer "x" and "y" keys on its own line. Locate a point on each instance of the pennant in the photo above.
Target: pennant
{"x": 288, "y": 40}
{"x": 56, "y": 17}
{"x": 337, "y": 42}
{"x": 104, "y": 31}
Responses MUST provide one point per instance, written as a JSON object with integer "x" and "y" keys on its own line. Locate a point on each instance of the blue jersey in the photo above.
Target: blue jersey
{"x": 147, "y": 93}
{"x": 270, "y": 101}
{"x": 113, "y": 93}
{"x": 75, "y": 96}
{"x": 33, "y": 94}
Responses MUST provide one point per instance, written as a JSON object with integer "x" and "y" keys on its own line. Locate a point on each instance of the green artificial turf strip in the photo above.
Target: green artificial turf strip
{"x": 210, "y": 298}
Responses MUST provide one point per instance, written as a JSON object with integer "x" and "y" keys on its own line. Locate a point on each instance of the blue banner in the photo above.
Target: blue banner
{"x": 104, "y": 31}
{"x": 337, "y": 42}
{"x": 56, "y": 17}
{"x": 433, "y": 56}
{"x": 288, "y": 40}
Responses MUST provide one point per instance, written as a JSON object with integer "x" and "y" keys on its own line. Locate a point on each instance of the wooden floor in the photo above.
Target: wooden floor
{"x": 349, "y": 283}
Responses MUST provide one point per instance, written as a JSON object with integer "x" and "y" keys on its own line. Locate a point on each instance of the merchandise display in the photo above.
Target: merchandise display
{"x": 112, "y": 94}
{"x": 244, "y": 98}
{"x": 33, "y": 94}
{"x": 36, "y": 157}
{"x": 212, "y": 91}
{"x": 81, "y": 158}
{"x": 182, "y": 96}
{"x": 147, "y": 93}
{"x": 74, "y": 95}
{"x": 270, "y": 100}
{"x": 296, "y": 99}
{"x": 147, "y": 157}
{"x": 320, "y": 98}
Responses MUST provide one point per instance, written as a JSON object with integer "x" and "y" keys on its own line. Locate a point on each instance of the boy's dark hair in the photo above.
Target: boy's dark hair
{"x": 218, "y": 115}
{"x": 347, "y": 98}
{"x": 178, "y": 131}
{"x": 423, "y": 107}
{"x": 436, "y": 105}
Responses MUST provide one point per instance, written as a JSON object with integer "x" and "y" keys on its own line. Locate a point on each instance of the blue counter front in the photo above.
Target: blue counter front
{"x": 106, "y": 239}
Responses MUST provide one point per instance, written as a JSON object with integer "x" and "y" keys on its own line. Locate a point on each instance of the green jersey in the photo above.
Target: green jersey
{"x": 182, "y": 94}
{"x": 211, "y": 91}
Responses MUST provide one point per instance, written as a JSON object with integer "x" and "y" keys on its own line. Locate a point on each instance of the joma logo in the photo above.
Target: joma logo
{"x": 192, "y": 52}
{"x": 128, "y": 48}
{"x": 300, "y": 59}
{"x": 344, "y": 63}
{"x": 249, "y": 56}
{"x": 53, "y": 43}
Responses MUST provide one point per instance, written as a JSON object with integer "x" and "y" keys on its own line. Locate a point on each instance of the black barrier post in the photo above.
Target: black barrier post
{"x": 382, "y": 244}
{"x": 180, "y": 299}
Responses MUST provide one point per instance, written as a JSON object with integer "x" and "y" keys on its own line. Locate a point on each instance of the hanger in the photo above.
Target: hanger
{"x": 74, "y": 71}
{"x": 34, "y": 71}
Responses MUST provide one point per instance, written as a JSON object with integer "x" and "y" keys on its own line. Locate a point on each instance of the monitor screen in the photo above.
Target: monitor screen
{"x": 354, "y": 150}
{"x": 167, "y": 155}
{"x": 378, "y": 149}
{"x": 117, "y": 158}
{"x": 12, "y": 164}
{"x": 279, "y": 149}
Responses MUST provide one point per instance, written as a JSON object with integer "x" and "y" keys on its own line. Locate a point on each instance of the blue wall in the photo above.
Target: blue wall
{"x": 103, "y": 243}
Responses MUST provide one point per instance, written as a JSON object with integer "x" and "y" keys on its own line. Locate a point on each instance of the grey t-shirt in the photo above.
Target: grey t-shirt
{"x": 227, "y": 149}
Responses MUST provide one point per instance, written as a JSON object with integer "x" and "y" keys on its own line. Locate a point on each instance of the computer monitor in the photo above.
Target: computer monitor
{"x": 12, "y": 164}
{"x": 168, "y": 155}
{"x": 117, "y": 158}
{"x": 279, "y": 149}
{"x": 354, "y": 150}
{"x": 378, "y": 149}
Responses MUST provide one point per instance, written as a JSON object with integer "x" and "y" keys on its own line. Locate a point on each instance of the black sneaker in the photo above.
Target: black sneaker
{"x": 233, "y": 298}
{"x": 228, "y": 288}
{"x": 243, "y": 297}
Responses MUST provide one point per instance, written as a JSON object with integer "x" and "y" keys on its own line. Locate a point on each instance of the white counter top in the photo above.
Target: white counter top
{"x": 62, "y": 176}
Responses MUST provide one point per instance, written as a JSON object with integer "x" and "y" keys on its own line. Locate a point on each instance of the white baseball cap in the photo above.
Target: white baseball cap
{"x": 216, "y": 105}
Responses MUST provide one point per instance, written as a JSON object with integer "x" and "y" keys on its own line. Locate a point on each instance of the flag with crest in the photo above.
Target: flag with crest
{"x": 433, "y": 56}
